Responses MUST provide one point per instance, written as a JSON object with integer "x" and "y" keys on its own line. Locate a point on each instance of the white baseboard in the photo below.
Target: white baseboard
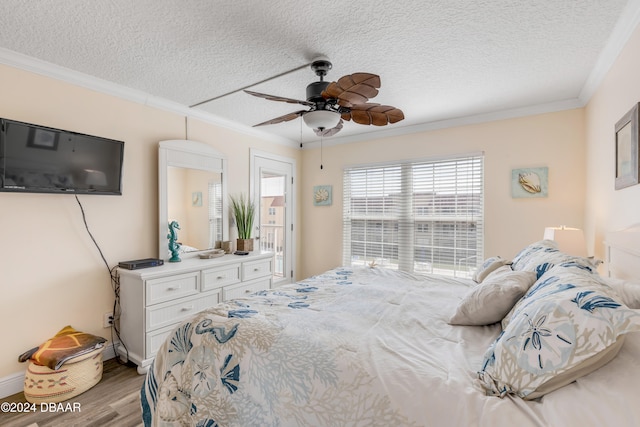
{"x": 11, "y": 384}
{"x": 14, "y": 383}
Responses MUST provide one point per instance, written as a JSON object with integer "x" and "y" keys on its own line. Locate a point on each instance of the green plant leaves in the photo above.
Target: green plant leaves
{"x": 243, "y": 211}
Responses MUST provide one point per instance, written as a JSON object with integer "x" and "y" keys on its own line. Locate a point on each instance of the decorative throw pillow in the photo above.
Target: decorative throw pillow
{"x": 489, "y": 265}
{"x": 492, "y": 299}
{"x": 569, "y": 324}
{"x": 570, "y": 261}
{"x": 629, "y": 292}
{"x": 541, "y": 256}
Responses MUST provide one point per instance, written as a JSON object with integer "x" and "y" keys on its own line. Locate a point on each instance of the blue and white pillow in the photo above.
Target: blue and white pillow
{"x": 568, "y": 324}
{"x": 541, "y": 256}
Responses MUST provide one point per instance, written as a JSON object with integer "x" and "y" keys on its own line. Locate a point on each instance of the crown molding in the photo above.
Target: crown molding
{"x": 47, "y": 69}
{"x": 624, "y": 28}
{"x": 512, "y": 113}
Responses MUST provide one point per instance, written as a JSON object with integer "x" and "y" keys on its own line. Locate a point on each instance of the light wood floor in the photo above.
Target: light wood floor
{"x": 114, "y": 401}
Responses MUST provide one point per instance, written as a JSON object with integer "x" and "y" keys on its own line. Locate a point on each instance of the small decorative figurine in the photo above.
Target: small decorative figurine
{"x": 174, "y": 246}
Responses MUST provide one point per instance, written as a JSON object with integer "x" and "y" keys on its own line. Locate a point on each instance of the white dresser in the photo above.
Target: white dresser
{"x": 154, "y": 300}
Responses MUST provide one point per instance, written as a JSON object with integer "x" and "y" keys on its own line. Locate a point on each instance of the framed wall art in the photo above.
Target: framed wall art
{"x": 627, "y": 149}
{"x": 529, "y": 182}
{"x": 41, "y": 138}
{"x": 196, "y": 199}
{"x": 322, "y": 195}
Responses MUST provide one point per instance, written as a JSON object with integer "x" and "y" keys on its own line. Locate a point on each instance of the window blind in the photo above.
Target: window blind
{"x": 215, "y": 212}
{"x": 424, "y": 216}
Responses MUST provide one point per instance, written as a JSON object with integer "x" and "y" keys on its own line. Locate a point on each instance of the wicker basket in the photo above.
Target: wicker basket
{"x": 42, "y": 384}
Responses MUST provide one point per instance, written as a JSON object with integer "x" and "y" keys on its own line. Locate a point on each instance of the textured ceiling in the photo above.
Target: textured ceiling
{"x": 438, "y": 60}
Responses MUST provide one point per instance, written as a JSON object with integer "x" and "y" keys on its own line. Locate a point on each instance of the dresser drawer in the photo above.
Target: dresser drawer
{"x": 255, "y": 269}
{"x": 170, "y": 288}
{"x": 155, "y": 339}
{"x": 242, "y": 289}
{"x": 168, "y": 313}
{"x": 219, "y": 277}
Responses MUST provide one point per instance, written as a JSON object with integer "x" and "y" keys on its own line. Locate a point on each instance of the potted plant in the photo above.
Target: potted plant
{"x": 243, "y": 211}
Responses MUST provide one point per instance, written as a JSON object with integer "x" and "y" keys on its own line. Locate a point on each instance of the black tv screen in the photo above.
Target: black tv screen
{"x": 39, "y": 159}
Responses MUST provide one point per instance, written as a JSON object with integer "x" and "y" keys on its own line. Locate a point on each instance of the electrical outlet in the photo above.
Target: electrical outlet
{"x": 107, "y": 320}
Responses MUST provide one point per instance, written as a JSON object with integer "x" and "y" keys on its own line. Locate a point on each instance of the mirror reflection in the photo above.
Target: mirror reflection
{"x": 194, "y": 200}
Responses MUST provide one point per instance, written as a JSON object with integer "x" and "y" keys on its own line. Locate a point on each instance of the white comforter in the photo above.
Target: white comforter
{"x": 363, "y": 347}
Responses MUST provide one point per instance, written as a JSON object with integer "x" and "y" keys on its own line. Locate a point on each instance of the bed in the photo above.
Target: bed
{"x": 539, "y": 340}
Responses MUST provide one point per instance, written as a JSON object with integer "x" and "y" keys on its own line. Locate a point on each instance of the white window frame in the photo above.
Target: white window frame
{"x": 399, "y": 202}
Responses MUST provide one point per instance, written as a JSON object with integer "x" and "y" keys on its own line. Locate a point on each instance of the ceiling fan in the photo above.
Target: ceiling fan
{"x": 332, "y": 102}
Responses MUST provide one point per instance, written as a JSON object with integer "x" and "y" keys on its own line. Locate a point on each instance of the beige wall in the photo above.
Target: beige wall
{"x": 51, "y": 274}
{"x": 607, "y": 209}
{"x": 554, "y": 140}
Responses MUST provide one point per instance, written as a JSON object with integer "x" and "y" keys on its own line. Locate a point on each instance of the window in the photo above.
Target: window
{"x": 422, "y": 216}
{"x": 215, "y": 213}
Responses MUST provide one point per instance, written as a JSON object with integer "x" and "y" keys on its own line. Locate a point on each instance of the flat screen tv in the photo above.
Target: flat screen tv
{"x": 38, "y": 159}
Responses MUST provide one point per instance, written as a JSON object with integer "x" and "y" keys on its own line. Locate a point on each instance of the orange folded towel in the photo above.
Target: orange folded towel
{"x": 65, "y": 345}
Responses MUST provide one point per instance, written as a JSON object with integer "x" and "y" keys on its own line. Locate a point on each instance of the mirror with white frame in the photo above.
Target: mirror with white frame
{"x": 192, "y": 190}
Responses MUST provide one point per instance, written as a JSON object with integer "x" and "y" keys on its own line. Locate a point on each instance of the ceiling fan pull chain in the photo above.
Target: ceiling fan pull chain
{"x": 321, "y": 138}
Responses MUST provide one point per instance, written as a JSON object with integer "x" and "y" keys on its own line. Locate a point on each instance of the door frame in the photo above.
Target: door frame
{"x": 291, "y": 202}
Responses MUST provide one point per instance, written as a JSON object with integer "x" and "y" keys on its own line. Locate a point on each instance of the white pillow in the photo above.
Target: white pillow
{"x": 489, "y": 265}
{"x": 629, "y": 292}
{"x": 492, "y": 299}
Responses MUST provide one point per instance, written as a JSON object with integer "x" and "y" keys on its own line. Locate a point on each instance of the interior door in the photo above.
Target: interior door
{"x": 272, "y": 182}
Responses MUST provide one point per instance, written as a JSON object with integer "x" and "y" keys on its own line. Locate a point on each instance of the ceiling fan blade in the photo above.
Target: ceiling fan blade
{"x": 329, "y": 132}
{"x": 374, "y": 114}
{"x": 285, "y": 118}
{"x": 353, "y": 89}
{"x": 279, "y": 98}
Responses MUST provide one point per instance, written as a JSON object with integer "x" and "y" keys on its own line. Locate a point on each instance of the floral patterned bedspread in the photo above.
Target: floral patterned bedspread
{"x": 295, "y": 355}
{"x": 353, "y": 347}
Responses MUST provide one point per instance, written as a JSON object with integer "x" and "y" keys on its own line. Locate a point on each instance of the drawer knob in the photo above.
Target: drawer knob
{"x": 221, "y": 277}
{"x": 173, "y": 288}
{"x": 256, "y": 269}
{"x": 187, "y": 308}
{"x": 247, "y": 291}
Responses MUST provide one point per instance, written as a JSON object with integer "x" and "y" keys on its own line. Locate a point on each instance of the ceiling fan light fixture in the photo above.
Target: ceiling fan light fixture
{"x": 332, "y": 103}
{"x": 321, "y": 119}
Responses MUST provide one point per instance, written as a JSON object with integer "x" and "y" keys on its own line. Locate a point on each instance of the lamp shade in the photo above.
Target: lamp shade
{"x": 321, "y": 119}
{"x": 570, "y": 240}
